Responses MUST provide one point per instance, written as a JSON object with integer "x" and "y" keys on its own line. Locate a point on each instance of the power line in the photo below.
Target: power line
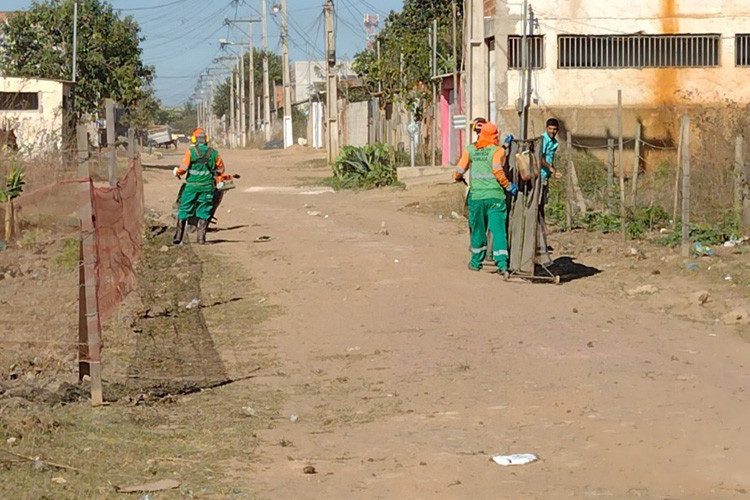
{"x": 153, "y": 7}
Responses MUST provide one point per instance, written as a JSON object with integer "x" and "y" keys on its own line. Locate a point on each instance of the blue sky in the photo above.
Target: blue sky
{"x": 181, "y": 36}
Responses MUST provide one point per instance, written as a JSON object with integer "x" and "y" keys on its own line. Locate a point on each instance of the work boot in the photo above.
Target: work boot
{"x": 177, "y": 239}
{"x": 202, "y": 227}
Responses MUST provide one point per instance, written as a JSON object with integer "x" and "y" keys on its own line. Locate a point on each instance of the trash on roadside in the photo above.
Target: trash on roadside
{"x": 193, "y": 303}
{"x": 262, "y": 239}
{"x": 700, "y": 249}
{"x": 515, "y": 459}
{"x": 293, "y": 417}
{"x": 733, "y": 242}
{"x": 162, "y": 484}
{"x": 691, "y": 265}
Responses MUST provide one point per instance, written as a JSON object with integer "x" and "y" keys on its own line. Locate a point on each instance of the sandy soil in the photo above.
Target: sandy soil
{"x": 399, "y": 373}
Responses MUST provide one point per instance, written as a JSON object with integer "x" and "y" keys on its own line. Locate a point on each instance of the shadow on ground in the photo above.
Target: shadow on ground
{"x": 568, "y": 269}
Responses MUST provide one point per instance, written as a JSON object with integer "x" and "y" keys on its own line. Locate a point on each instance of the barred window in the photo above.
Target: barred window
{"x": 17, "y": 101}
{"x": 742, "y": 50}
{"x": 535, "y": 44}
{"x": 638, "y": 51}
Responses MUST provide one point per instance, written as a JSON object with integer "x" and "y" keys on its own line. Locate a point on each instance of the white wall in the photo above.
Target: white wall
{"x": 649, "y": 86}
{"x": 40, "y": 130}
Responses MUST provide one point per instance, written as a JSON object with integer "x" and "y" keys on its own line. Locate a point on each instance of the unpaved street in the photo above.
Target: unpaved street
{"x": 401, "y": 372}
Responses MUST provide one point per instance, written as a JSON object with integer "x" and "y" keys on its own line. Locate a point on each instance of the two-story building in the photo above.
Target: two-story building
{"x": 659, "y": 53}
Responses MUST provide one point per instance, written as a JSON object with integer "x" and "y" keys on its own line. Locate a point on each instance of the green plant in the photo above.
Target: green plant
{"x": 598, "y": 221}
{"x": 642, "y": 220}
{"x": 67, "y": 259}
{"x": 367, "y": 166}
{"x": 13, "y": 183}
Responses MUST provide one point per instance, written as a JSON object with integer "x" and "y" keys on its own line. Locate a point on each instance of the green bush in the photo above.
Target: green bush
{"x": 642, "y": 220}
{"x": 368, "y": 166}
{"x": 598, "y": 221}
{"x": 67, "y": 259}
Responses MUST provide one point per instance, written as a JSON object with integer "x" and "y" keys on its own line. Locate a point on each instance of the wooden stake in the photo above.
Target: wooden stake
{"x": 569, "y": 184}
{"x": 580, "y": 200}
{"x": 89, "y": 328}
{"x": 636, "y": 163}
{"x": 610, "y": 170}
{"x": 111, "y": 139}
{"x": 741, "y": 213}
{"x": 685, "y": 161}
{"x": 677, "y": 180}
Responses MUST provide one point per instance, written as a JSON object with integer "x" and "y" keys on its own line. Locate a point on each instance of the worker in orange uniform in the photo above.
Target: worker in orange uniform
{"x": 486, "y": 200}
{"x": 203, "y": 167}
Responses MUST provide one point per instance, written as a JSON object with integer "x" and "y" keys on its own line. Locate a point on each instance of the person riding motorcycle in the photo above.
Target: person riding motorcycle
{"x": 203, "y": 168}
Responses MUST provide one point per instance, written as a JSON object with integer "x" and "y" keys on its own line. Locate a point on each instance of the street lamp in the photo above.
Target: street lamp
{"x": 276, "y": 8}
{"x": 223, "y": 43}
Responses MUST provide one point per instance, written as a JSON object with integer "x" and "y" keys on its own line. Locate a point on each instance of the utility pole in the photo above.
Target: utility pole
{"x": 242, "y": 103}
{"x": 266, "y": 93}
{"x": 232, "y": 123}
{"x": 332, "y": 98}
{"x": 433, "y": 141}
{"x": 251, "y": 76}
{"x": 527, "y": 62}
{"x": 285, "y": 71}
{"x": 455, "y": 79}
{"x": 75, "y": 38}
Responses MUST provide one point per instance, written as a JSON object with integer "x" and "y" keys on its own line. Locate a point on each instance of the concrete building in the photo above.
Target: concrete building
{"x": 309, "y": 77}
{"x": 659, "y": 53}
{"x": 35, "y": 112}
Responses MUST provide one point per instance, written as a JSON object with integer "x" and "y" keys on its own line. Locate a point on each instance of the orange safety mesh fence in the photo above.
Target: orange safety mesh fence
{"x": 118, "y": 217}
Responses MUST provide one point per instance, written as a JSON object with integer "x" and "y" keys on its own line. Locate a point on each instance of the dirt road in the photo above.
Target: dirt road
{"x": 401, "y": 372}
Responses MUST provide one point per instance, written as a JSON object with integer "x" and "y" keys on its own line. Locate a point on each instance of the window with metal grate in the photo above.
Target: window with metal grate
{"x": 535, "y": 44}
{"x": 638, "y": 51}
{"x": 742, "y": 50}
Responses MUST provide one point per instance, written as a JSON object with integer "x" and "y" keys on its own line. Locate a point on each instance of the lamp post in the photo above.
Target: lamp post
{"x": 250, "y": 70}
{"x": 266, "y": 93}
{"x": 241, "y": 107}
{"x": 285, "y": 73}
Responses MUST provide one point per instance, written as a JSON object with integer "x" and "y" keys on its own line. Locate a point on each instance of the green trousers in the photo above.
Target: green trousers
{"x": 488, "y": 214}
{"x": 196, "y": 200}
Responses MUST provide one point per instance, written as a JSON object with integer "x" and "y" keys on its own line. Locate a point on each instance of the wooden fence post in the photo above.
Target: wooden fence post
{"x": 89, "y": 328}
{"x": 131, "y": 143}
{"x": 685, "y": 168}
{"x": 111, "y": 139}
{"x": 741, "y": 187}
{"x": 677, "y": 179}
{"x": 610, "y": 170}
{"x": 636, "y": 163}
{"x": 621, "y": 165}
{"x": 569, "y": 184}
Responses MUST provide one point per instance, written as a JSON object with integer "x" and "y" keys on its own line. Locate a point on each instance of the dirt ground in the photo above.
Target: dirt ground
{"x": 351, "y": 354}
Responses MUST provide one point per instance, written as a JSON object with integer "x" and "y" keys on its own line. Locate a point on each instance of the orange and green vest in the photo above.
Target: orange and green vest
{"x": 484, "y": 184}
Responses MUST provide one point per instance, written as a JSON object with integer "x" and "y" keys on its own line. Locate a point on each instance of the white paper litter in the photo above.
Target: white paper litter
{"x": 515, "y": 459}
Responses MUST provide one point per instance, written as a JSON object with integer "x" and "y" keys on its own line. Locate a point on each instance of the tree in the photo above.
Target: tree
{"x": 223, "y": 91}
{"x": 403, "y": 70}
{"x": 38, "y": 43}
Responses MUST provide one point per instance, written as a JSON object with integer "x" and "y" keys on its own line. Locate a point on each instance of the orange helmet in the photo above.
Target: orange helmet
{"x": 199, "y": 136}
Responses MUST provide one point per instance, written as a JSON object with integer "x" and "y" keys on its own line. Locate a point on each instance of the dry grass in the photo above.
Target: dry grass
{"x": 198, "y": 439}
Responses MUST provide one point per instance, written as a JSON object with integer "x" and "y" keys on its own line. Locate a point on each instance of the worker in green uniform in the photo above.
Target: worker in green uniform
{"x": 487, "y": 185}
{"x": 203, "y": 166}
